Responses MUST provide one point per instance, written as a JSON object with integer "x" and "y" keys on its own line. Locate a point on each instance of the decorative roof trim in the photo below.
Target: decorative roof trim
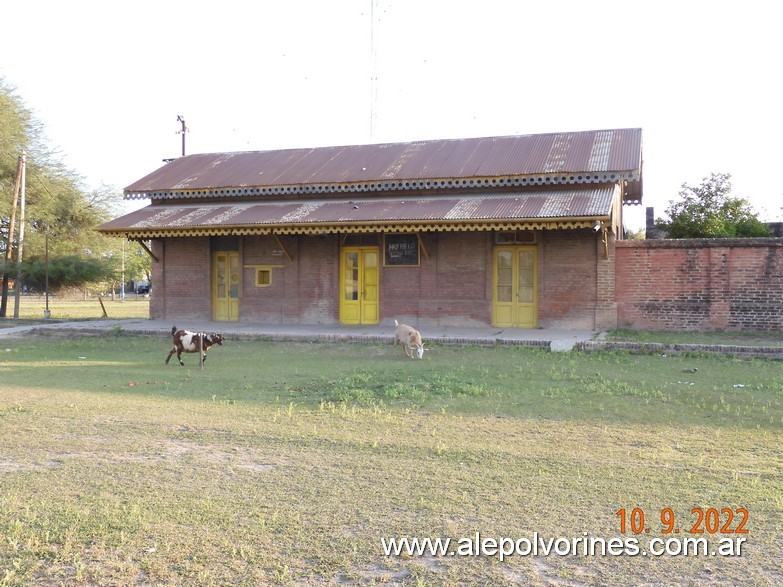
{"x": 401, "y": 185}
{"x": 535, "y": 224}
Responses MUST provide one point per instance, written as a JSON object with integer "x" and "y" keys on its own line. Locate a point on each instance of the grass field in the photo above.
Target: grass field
{"x": 32, "y": 308}
{"x": 288, "y": 463}
{"x": 691, "y": 337}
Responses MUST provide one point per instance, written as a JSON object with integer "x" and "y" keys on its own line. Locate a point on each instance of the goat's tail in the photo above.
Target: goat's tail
{"x": 396, "y": 323}
{"x": 173, "y": 330}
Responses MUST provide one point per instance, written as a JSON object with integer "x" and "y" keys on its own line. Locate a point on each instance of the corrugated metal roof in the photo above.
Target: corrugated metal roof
{"x": 577, "y": 203}
{"x": 604, "y": 156}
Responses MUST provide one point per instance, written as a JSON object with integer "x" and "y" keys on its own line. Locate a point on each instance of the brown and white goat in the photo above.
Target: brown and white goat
{"x": 186, "y": 341}
{"x": 410, "y": 338}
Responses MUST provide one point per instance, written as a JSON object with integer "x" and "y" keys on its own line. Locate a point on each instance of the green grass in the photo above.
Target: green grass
{"x": 32, "y": 308}
{"x": 286, "y": 463}
{"x": 771, "y": 338}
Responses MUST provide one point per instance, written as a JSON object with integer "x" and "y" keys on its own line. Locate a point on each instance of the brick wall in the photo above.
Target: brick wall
{"x": 569, "y": 295}
{"x": 700, "y": 284}
{"x": 157, "y": 281}
{"x": 448, "y": 288}
{"x": 317, "y": 273}
{"x": 266, "y": 304}
{"x": 463, "y": 274}
{"x": 182, "y": 279}
{"x": 452, "y": 286}
{"x": 304, "y": 288}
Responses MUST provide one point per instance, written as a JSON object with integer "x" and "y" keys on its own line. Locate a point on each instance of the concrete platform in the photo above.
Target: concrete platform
{"x": 556, "y": 340}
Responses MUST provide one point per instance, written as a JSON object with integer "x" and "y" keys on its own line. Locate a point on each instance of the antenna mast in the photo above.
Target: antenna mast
{"x": 181, "y": 119}
{"x": 374, "y": 70}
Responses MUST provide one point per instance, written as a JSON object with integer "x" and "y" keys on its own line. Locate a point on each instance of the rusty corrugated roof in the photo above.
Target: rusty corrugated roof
{"x": 604, "y": 156}
{"x": 282, "y": 215}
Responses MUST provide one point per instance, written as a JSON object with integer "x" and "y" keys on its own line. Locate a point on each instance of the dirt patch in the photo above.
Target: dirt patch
{"x": 172, "y": 451}
{"x": 375, "y": 573}
{"x": 14, "y": 467}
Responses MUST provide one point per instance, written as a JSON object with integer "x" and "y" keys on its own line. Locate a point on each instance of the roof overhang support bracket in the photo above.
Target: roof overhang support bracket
{"x": 423, "y": 247}
{"x": 146, "y": 248}
{"x": 605, "y": 241}
{"x": 282, "y": 246}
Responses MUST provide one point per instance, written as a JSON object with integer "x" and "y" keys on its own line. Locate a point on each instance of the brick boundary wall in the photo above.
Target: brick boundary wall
{"x": 700, "y": 284}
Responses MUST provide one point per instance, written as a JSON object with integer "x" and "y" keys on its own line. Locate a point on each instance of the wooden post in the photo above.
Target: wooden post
{"x": 201, "y": 350}
{"x": 100, "y": 299}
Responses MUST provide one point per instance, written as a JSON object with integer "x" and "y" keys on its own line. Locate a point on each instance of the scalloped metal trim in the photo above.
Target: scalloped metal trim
{"x": 375, "y": 186}
{"x": 355, "y": 228}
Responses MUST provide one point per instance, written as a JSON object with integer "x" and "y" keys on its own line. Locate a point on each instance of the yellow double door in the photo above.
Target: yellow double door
{"x": 514, "y": 287}
{"x": 225, "y": 286}
{"x": 359, "y": 280}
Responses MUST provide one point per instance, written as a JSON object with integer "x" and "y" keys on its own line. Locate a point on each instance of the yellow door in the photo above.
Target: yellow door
{"x": 359, "y": 285}
{"x": 514, "y": 287}
{"x": 225, "y": 288}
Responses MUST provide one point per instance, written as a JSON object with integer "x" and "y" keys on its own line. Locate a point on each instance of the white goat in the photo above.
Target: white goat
{"x": 410, "y": 338}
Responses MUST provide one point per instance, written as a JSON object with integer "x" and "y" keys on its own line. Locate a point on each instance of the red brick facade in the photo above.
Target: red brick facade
{"x": 668, "y": 284}
{"x": 452, "y": 286}
{"x": 694, "y": 284}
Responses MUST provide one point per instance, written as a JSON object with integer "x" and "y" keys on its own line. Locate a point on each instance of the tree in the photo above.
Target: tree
{"x": 137, "y": 262}
{"x": 634, "y": 235}
{"x": 65, "y": 272}
{"x": 710, "y": 211}
{"x": 58, "y": 205}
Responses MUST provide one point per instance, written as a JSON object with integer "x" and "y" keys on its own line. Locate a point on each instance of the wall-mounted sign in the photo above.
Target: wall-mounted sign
{"x": 401, "y": 250}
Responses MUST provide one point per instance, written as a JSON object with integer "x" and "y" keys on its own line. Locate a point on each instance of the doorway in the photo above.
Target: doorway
{"x": 514, "y": 287}
{"x": 225, "y": 286}
{"x": 359, "y": 285}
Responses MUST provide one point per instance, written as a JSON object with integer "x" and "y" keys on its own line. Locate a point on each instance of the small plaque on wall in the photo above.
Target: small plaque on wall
{"x": 401, "y": 250}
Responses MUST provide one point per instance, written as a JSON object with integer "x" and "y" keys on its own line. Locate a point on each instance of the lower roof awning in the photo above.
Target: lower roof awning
{"x": 535, "y": 210}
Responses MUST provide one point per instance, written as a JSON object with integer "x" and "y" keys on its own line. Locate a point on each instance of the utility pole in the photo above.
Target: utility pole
{"x": 182, "y": 132}
{"x": 20, "y": 246}
{"x": 9, "y": 255}
{"x": 47, "y": 314}
{"x": 122, "y": 291}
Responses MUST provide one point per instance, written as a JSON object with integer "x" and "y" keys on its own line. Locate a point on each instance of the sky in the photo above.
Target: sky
{"x": 108, "y": 80}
